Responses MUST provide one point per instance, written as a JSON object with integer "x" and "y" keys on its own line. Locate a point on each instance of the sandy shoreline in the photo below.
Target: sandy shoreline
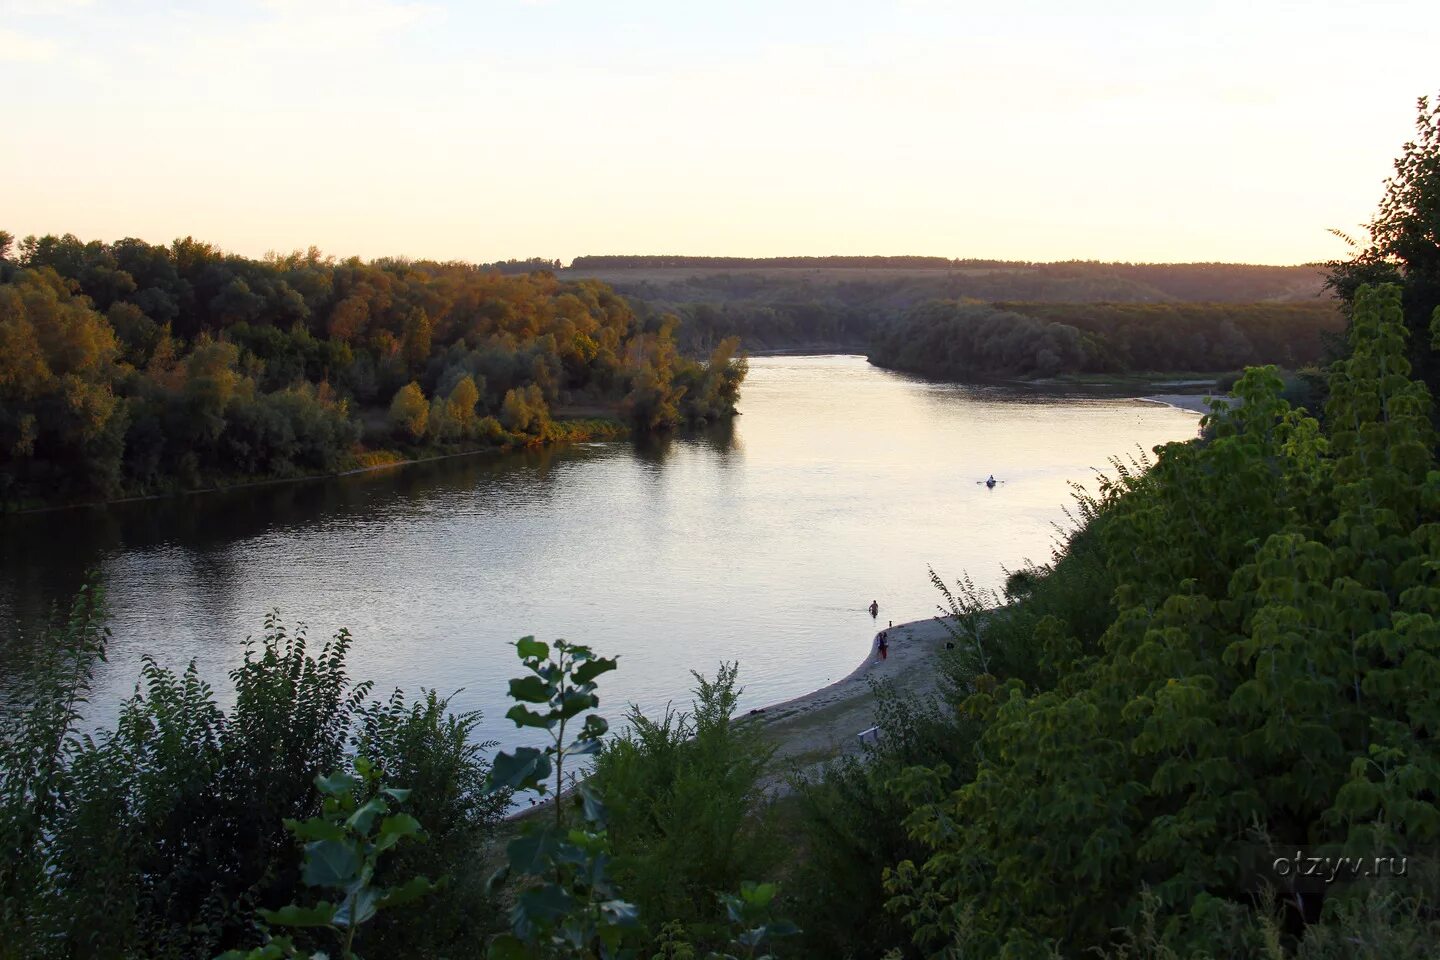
{"x": 1193, "y": 402}
{"x": 810, "y": 730}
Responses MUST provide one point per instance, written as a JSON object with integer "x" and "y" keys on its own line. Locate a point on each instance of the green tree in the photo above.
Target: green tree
{"x": 1404, "y": 242}
{"x": 409, "y": 411}
{"x": 460, "y": 406}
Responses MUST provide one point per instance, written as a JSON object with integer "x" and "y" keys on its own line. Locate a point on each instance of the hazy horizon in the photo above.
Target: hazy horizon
{"x": 1224, "y": 132}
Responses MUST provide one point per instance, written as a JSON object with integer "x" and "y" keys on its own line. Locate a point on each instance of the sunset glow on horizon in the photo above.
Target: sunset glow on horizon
{"x": 557, "y": 128}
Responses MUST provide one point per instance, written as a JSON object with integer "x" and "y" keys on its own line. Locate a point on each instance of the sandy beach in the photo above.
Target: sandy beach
{"x": 1194, "y": 402}
{"x": 812, "y": 729}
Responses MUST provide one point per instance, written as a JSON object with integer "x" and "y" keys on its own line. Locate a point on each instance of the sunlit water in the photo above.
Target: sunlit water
{"x": 841, "y": 483}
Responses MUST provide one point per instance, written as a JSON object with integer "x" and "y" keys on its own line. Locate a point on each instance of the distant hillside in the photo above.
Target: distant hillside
{"x": 909, "y": 279}
{"x": 842, "y": 302}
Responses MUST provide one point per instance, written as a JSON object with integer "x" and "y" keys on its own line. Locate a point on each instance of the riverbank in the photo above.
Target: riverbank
{"x": 569, "y": 431}
{"x": 811, "y": 730}
{"x": 1193, "y": 402}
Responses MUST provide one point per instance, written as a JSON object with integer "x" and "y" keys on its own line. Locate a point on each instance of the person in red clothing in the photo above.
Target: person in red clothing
{"x": 883, "y": 645}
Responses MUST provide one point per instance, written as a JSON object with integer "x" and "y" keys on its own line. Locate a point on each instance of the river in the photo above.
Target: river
{"x": 763, "y": 543}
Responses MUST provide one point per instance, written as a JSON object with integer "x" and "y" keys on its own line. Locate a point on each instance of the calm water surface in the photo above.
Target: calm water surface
{"x": 764, "y": 543}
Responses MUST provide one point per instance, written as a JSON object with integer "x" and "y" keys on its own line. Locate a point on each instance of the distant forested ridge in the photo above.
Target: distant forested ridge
{"x": 963, "y": 340}
{"x": 845, "y": 302}
{"x": 129, "y": 368}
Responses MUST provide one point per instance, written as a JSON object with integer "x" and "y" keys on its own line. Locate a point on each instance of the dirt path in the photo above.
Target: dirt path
{"x": 810, "y": 730}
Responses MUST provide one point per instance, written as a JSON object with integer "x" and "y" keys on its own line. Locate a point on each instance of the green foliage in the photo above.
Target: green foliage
{"x": 409, "y": 412}
{"x": 852, "y": 825}
{"x": 751, "y": 912}
{"x": 1404, "y": 244}
{"x": 569, "y": 906}
{"x": 37, "y": 739}
{"x": 686, "y": 815}
{"x": 343, "y": 846}
{"x": 433, "y": 750}
{"x": 127, "y": 368}
{"x": 162, "y": 836}
{"x": 971, "y": 340}
{"x": 1265, "y": 666}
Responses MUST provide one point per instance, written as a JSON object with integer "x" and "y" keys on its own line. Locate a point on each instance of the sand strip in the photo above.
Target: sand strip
{"x": 812, "y": 729}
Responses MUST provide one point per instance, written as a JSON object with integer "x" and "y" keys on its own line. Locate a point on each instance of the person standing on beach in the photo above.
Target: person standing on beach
{"x": 883, "y": 645}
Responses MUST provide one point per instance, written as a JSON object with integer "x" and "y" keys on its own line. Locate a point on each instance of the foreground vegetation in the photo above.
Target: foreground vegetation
{"x": 127, "y": 368}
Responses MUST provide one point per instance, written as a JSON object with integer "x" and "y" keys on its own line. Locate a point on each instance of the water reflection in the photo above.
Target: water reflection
{"x": 760, "y": 540}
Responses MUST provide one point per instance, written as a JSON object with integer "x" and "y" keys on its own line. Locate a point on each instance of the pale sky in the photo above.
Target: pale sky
{"x": 1024, "y": 129}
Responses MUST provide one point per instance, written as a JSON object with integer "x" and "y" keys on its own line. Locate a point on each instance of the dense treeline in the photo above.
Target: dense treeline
{"x": 1237, "y": 282}
{"x": 957, "y": 340}
{"x": 132, "y": 368}
{"x": 844, "y": 308}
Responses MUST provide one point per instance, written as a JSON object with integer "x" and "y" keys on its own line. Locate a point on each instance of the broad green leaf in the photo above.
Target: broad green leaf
{"x": 530, "y": 648}
{"x": 320, "y": 915}
{"x": 396, "y": 793}
{"x": 544, "y": 904}
{"x": 590, "y": 669}
{"x": 576, "y": 702}
{"x": 523, "y": 769}
{"x": 525, "y": 717}
{"x": 581, "y": 748}
{"x": 531, "y": 853}
{"x": 411, "y": 890}
{"x": 394, "y": 828}
{"x": 315, "y": 829}
{"x": 594, "y": 808}
{"x": 358, "y": 909}
{"x": 361, "y": 820}
{"x": 595, "y": 726}
{"x": 531, "y": 690}
{"x": 330, "y": 863}
{"x": 336, "y": 785}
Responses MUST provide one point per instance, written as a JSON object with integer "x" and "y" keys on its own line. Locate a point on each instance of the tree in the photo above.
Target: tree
{"x": 409, "y": 411}
{"x": 1405, "y": 241}
{"x": 460, "y": 406}
{"x": 417, "y": 339}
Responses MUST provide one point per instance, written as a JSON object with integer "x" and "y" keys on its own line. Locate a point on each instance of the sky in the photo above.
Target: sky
{"x": 1028, "y": 129}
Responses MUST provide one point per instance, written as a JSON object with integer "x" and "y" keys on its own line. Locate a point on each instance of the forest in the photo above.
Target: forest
{"x": 128, "y": 368}
{"x": 853, "y": 304}
{"x": 970, "y": 340}
{"x": 1228, "y": 282}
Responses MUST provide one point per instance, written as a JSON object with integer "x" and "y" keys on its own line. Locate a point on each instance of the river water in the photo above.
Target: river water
{"x": 763, "y": 543}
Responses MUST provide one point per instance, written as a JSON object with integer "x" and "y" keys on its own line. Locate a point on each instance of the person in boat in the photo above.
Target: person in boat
{"x": 874, "y": 609}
